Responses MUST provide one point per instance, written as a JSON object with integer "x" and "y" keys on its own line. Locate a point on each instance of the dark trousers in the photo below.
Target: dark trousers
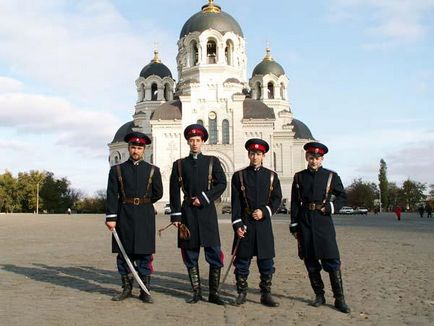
{"x": 143, "y": 263}
{"x": 329, "y": 265}
{"x": 213, "y": 255}
{"x": 242, "y": 266}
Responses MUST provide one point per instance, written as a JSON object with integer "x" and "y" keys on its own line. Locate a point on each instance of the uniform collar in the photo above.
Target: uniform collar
{"x": 136, "y": 163}
{"x": 314, "y": 171}
{"x": 251, "y": 167}
{"x": 195, "y": 156}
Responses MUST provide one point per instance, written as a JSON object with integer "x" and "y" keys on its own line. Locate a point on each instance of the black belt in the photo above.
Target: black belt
{"x": 313, "y": 206}
{"x": 137, "y": 201}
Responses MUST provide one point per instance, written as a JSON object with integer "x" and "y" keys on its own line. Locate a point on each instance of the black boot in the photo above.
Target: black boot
{"x": 127, "y": 287}
{"x": 338, "y": 291}
{"x": 265, "y": 286}
{"x": 214, "y": 282}
{"x": 242, "y": 287}
{"x": 143, "y": 295}
{"x": 193, "y": 273}
{"x": 318, "y": 288}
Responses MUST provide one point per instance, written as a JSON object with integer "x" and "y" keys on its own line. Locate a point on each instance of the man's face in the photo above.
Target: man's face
{"x": 195, "y": 144}
{"x": 256, "y": 158}
{"x": 136, "y": 152}
{"x": 314, "y": 162}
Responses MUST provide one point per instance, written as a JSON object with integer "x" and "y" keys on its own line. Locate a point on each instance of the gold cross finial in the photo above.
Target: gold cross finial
{"x": 156, "y": 54}
{"x": 268, "y": 54}
{"x": 211, "y": 8}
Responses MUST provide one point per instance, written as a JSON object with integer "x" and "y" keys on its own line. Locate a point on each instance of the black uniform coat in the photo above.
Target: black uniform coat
{"x": 318, "y": 236}
{"x": 259, "y": 239}
{"x": 202, "y": 220}
{"x": 135, "y": 224}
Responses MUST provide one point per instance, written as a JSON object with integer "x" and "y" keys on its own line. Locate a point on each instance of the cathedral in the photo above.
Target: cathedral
{"x": 213, "y": 89}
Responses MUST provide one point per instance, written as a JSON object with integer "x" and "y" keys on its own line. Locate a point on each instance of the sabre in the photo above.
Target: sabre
{"x": 130, "y": 265}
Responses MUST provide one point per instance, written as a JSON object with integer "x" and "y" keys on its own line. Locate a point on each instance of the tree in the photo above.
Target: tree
{"x": 412, "y": 193}
{"x": 95, "y": 204}
{"x": 362, "y": 194}
{"x": 382, "y": 178}
{"x": 394, "y": 196}
{"x": 27, "y": 184}
{"x": 9, "y": 193}
{"x": 56, "y": 194}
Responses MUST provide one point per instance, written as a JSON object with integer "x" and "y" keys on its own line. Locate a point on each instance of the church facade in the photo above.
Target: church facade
{"x": 213, "y": 89}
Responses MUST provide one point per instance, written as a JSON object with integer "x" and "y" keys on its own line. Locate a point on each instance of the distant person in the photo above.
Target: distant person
{"x": 421, "y": 210}
{"x": 428, "y": 210}
{"x": 69, "y": 211}
{"x": 256, "y": 196}
{"x": 133, "y": 187}
{"x": 312, "y": 225}
{"x": 398, "y": 211}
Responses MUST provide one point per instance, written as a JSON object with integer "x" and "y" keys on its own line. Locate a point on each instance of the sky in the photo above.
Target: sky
{"x": 361, "y": 77}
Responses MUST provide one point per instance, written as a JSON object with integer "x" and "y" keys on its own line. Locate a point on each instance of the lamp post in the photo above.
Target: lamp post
{"x": 37, "y": 197}
{"x": 380, "y": 198}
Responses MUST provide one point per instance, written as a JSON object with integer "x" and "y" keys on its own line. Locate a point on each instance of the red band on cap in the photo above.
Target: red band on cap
{"x": 195, "y": 132}
{"x": 315, "y": 150}
{"x": 136, "y": 140}
{"x": 257, "y": 147}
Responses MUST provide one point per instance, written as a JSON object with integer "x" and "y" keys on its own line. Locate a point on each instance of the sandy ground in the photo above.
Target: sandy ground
{"x": 58, "y": 270}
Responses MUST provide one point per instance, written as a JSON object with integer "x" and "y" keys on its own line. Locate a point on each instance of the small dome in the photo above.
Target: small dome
{"x": 123, "y": 131}
{"x": 155, "y": 67}
{"x": 268, "y": 66}
{"x": 211, "y": 16}
{"x": 168, "y": 111}
{"x": 301, "y": 130}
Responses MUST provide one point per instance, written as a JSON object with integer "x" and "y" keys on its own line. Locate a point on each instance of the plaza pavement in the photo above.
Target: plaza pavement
{"x": 58, "y": 270}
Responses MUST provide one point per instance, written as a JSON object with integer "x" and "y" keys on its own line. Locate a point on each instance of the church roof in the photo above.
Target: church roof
{"x": 168, "y": 111}
{"x": 254, "y": 109}
{"x": 301, "y": 130}
{"x": 155, "y": 67}
{"x": 123, "y": 131}
{"x": 211, "y": 16}
{"x": 268, "y": 66}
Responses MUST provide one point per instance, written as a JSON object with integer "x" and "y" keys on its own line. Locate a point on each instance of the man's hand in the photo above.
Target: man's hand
{"x": 241, "y": 231}
{"x": 195, "y": 201}
{"x": 110, "y": 225}
{"x": 257, "y": 214}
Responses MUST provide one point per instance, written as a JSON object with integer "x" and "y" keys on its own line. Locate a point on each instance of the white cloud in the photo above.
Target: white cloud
{"x": 387, "y": 22}
{"x": 8, "y": 85}
{"x": 79, "y": 128}
{"x": 82, "y": 49}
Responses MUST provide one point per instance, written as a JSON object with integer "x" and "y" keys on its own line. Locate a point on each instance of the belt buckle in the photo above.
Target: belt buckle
{"x": 136, "y": 201}
{"x": 312, "y": 206}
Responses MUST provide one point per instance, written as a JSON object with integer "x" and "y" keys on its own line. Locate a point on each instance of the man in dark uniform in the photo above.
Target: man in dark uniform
{"x": 133, "y": 187}
{"x": 256, "y": 195}
{"x": 316, "y": 194}
{"x": 202, "y": 181}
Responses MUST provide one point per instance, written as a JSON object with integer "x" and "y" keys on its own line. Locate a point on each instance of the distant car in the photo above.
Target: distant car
{"x": 167, "y": 209}
{"x": 226, "y": 210}
{"x": 361, "y": 211}
{"x": 346, "y": 210}
{"x": 282, "y": 210}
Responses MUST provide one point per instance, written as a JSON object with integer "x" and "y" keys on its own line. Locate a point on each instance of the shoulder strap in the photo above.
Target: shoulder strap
{"x": 121, "y": 182}
{"x": 243, "y": 188}
{"x": 211, "y": 164}
{"x": 329, "y": 182}
{"x": 181, "y": 183}
{"x": 271, "y": 184}
{"x": 151, "y": 174}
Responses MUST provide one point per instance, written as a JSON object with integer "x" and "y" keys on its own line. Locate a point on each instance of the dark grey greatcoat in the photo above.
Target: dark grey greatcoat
{"x": 259, "y": 239}
{"x": 201, "y": 221}
{"x": 318, "y": 236}
{"x": 135, "y": 224}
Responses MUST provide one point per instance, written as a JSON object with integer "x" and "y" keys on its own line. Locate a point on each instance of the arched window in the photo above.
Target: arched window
{"x": 282, "y": 91}
{"x": 194, "y": 54}
{"x": 167, "y": 96}
{"x": 154, "y": 92}
{"x": 258, "y": 90}
{"x": 211, "y": 51}
{"x": 212, "y": 128}
{"x": 200, "y": 122}
{"x": 229, "y": 52}
{"x": 270, "y": 88}
{"x": 225, "y": 131}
